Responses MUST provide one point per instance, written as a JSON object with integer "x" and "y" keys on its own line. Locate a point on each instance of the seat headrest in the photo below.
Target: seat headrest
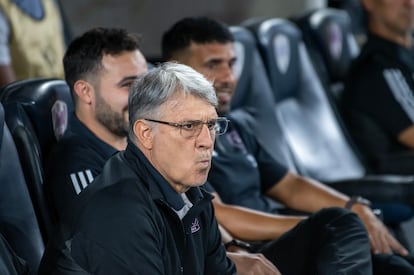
{"x": 45, "y": 103}
{"x": 244, "y": 45}
{"x": 18, "y": 221}
{"x": 329, "y": 31}
{"x": 253, "y": 102}
{"x": 279, "y": 43}
{"x": 354, "y": 8}
{"x": 1, "y": 122}
{"x": 253, "y": 92}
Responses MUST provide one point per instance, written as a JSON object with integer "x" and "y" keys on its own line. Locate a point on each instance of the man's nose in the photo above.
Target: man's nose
{"x": 229, "y": 75}
{"x": 206, "y": 137}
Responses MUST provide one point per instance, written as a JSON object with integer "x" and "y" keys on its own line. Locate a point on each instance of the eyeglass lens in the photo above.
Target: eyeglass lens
{"x": 219, "y": 126}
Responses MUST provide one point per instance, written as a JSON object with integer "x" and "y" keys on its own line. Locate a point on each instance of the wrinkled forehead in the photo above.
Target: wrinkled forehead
{"x": 187, "y": 107}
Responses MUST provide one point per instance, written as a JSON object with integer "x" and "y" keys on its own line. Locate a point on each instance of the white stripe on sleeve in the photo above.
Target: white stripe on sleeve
{"x": 401, "y": 91}
{"x": 82, "y": 178}
{"x": 75, "y": 183}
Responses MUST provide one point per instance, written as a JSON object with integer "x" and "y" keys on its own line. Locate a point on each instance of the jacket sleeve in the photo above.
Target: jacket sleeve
{"x": 126, "y": 238}
{"x": 216, "y": 261}
{"x": 118, "y": 240}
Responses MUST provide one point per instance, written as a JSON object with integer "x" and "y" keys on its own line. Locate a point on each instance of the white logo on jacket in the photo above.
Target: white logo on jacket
{"x": 195, "y": 226}
{"x": 80, "y": 180}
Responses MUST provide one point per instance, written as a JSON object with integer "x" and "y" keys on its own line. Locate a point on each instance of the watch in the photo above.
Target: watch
{"x": 238, "y": 243}
{"x": 357, "y": 199}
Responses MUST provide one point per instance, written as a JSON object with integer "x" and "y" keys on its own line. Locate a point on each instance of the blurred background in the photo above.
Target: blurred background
{"x": 152, "y": 17}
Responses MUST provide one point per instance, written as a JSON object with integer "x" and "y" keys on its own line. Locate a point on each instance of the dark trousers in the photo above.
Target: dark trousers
{"x": 385, "y": 264}
{"x": 10, "y": 263}
{"x": 331, "y": 241}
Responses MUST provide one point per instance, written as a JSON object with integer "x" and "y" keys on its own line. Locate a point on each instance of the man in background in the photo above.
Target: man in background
{"x": 100, "y": 66}
{"x": 31, "y": 40}
{"x": 378, "y": 101}
{"x": 244, "y": 174}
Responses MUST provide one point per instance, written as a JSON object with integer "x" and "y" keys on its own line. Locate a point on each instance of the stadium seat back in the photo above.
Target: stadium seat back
{"x": 36, "y": 114}
{"x": 18, "y": 222}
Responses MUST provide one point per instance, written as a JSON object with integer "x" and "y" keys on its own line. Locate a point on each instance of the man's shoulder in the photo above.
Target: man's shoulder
{"x": 378, "y": 53}
{"x": 367, "y": 70}
{"x": 104, "y": 218}
{"x": 71, "y": 141}
{"x": 75, "y": 146}
{"x": 125, "y": 192}
{"x": 73, "y": 161}
{"x": 73, "y": 151}
{"x": 241, "y": 120}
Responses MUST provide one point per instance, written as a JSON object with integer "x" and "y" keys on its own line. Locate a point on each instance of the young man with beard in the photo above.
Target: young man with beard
{"x": 243, "y": 174}
{"x": 99, "y": 66}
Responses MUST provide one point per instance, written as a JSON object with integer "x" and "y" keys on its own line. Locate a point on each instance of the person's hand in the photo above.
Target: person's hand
{"x": 252, "y": 264}
{"x": 381, "y": 239}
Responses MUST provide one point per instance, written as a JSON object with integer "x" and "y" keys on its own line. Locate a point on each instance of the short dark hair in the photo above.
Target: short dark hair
{"x": 84, "y": 54}
{"x": 200, "y": 30}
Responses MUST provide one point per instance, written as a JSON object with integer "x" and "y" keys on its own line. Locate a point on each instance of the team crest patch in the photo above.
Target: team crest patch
{"x": 59, "y": 118}
{"x": 281, "y": 46}
{"x": 234, "y": 139}
{"x": 195, "y": 226}
{"x": 334, "y": 37}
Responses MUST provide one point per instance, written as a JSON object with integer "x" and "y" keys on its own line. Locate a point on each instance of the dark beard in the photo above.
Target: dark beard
{"x": 112, "y": 120}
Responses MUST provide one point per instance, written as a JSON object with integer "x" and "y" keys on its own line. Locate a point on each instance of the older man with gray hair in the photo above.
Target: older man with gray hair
{"x": 145, "y": 213}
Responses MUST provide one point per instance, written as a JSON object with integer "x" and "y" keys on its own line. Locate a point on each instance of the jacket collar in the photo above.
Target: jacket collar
{"x": 78, "y": 128}
{"x": 159, "y": 188}
{"x": 380, "y": 46}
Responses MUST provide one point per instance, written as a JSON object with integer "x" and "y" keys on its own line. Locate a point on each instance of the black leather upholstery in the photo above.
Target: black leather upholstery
{"x": 331, "y": 45}
{"x": 253, "y": 98}
{"x": 319, "y": 145}
{"x": 18, "y": 223}
{"x": 371, "y": 140}
{"x": 358, "y": 14}
{"x": 36, "y": 113}
{"x": 302, "y": 109}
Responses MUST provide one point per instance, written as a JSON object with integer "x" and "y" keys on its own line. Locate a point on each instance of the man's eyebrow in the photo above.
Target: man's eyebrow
{"x": 198, "y": 120}
{"x": 215, "y": 60}
{"x": 218, "y": 60}
{"x": 126, "y": 79}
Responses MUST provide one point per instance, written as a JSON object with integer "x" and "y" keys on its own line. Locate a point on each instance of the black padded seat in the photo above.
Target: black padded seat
{"x": 332, "y": 58}
{"x": 253, "y": 98}
{"x": 355, "y": 9}
{"x": 310, "y": 125}
{"x": 18, "y": 222}
{"x": 332, "y": 46}
{"x": 36, "y": 114}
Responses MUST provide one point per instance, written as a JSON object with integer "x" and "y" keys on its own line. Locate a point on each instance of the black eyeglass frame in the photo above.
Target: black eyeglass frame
{"x": 195, "y": 124}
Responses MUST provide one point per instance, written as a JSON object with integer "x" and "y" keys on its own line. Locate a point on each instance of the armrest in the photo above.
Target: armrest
{"x": 379, "y": 188}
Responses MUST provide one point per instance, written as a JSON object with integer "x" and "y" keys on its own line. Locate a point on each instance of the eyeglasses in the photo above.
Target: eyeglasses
{"x": 193, "y": 128}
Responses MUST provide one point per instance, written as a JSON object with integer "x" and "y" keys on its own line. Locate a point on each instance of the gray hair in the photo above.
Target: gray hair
{"x": 160, "y": 84}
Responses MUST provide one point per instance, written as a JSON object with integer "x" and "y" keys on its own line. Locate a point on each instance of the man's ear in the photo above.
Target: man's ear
{"x": 84, "y": 91}
{"x": 143, "y": 133}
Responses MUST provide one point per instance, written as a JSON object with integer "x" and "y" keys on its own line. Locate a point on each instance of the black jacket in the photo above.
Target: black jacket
{"x": 73, "y": 163}
{"x": 124, "y": 224}
{"x": 377, "y": 104}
